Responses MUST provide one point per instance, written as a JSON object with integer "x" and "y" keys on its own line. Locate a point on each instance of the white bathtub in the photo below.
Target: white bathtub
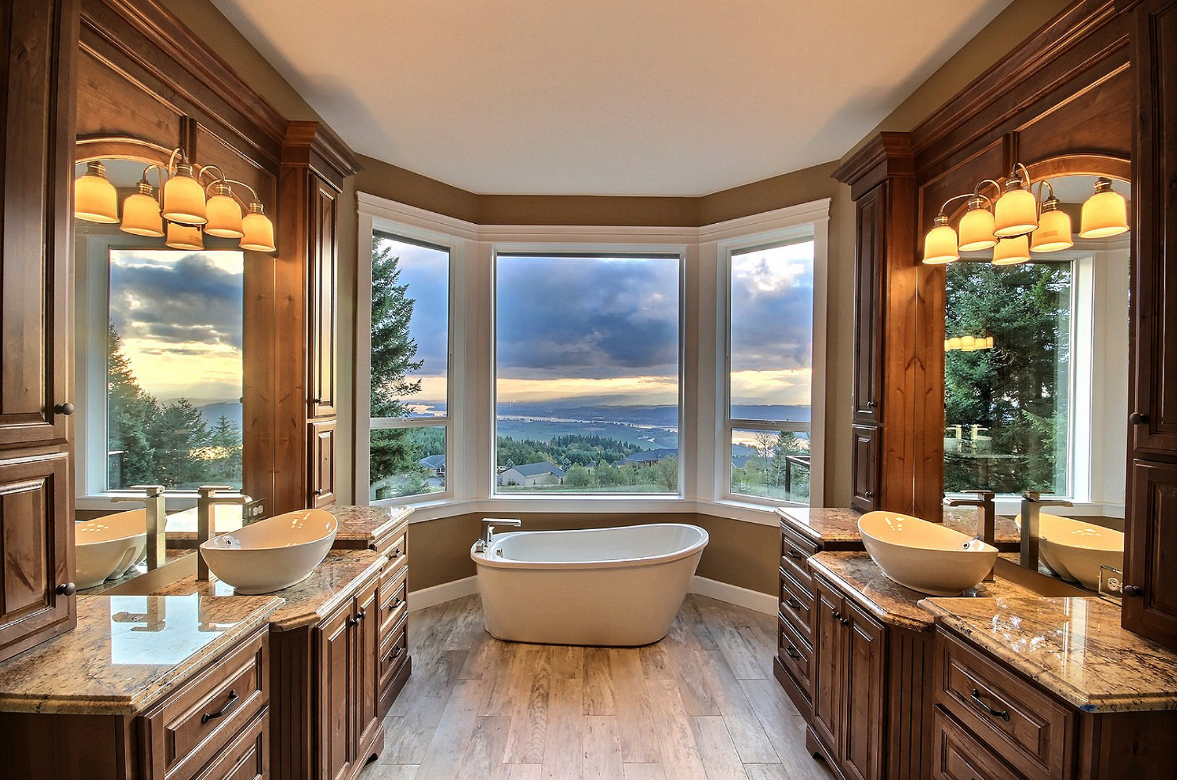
{"x": 617, "y": 587}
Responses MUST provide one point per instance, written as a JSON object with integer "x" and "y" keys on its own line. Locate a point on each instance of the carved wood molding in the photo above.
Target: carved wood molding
{"x": 309, "y": 144}
{"x": 887, "y": 154}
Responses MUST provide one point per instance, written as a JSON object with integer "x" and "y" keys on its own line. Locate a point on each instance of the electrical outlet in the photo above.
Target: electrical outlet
{"x": 255, "y": 510}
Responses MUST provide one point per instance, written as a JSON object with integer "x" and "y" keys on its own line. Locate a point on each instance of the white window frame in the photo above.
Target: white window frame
{"x": 784, "y": 237}
{"x": 588, "y": 251}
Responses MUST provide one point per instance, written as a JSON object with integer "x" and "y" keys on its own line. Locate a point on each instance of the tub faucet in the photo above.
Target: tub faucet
{"x": 488, "y": 530}
{"x": 986, "y": 517}
{"x": 1032, "y": 503}
{"x": 153, "y": 498}
{"x": 206, "y": 521}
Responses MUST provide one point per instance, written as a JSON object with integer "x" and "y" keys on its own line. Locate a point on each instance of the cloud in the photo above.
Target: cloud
{"x": 426, "y": 270}
{"x": 772, "y": 309}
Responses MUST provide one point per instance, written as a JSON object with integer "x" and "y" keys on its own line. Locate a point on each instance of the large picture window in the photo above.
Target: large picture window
{"x": 770, "y": 370}
{"x": 410, "y": 416}
{"x": 587, "y": 374}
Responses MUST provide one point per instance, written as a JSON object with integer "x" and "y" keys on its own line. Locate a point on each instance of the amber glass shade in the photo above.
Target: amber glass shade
{"x": 940, "y": 244}
{"x": 1016, "y": 213}
{"x": 224, "y": 217}
{"x": 1053, "y": 233}
{"x": 1105, "y": 213}
{"x": 95, "y": 198}
{"x": 184, "y": 237}
{"x": 183, "y": 198}
{"x": 1012, "y": 251}
{"x": 141, "y": 215}
{"x": 976, "y": 229}
{"x": 259, "y": 231}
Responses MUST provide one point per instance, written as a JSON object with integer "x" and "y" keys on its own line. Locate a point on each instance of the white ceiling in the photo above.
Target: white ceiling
{"x": 613, "y": 97}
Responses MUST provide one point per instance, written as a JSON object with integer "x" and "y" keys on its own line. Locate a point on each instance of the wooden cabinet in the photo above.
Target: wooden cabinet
{"x": 1150, "y": 603}
{"x": 322, "y": 463}
{"x": 324, "y": 276}
{"x": 795, "y": 620}
{"x": 36, "y": 499}
{"x": 869, "y": 211}
{"x": 864, "y": 467}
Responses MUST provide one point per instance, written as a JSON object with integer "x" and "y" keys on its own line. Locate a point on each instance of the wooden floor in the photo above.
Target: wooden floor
{"x": 700, "y": 705}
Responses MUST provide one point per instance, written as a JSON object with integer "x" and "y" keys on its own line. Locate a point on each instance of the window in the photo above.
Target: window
{"x": 1007, "y": 376}
{"x": 770, "y": 370}
{"x": 173, "y": 368}
{"x": 587, "y": 373}
{"x": 409, "y": 422}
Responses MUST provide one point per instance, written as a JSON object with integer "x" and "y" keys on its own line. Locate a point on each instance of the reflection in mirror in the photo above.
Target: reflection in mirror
{"x": 1035, "y": 382}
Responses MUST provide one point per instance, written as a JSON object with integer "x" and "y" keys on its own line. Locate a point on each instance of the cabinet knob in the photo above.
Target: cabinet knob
{"x": 67, "y": 589}
{"x": 317, "y": 400}
{"x": 65, "y": 409}
{"x": 868, "y": 495}
{"x": 872, "y": 404}
{"x": 318, "y": 491}
{"x": 1132, "y": 591}
{"x": 1136, "y": 418}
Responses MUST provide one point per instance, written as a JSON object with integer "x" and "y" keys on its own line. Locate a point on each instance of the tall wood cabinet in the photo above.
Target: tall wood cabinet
{"x": 36, "y": 497}
{"x": 1150, "y": 589}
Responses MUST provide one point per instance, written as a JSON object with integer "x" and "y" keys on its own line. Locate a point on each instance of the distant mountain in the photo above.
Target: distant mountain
{"x": 212, "y": 413}
{"x": 663, "y": 415}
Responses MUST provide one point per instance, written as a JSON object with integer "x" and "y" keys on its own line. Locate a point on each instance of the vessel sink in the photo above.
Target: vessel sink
{"x": 106, "y": 547}
{"x": 1075, "y": 550}
{"x": 924, "y": 556}
{"x": 271, "y": 554}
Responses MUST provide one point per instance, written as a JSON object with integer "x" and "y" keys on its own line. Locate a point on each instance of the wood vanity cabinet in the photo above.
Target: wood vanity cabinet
{"x": 795, "y": 620}
{"x": 36, "y": 499}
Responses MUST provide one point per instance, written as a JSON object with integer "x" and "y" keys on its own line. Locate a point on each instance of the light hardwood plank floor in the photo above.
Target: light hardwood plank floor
{"x": 699, "y": 705}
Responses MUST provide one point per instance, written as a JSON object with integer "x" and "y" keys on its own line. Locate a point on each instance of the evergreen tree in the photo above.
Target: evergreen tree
{"x": 130, "y": 412}
{"x": 177, "y": 434}
{"x": 225, "y": 449}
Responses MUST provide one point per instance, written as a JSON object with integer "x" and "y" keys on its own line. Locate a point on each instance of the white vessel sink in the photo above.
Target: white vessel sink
{"x": 924, "y": 556}
{"x": 271, "y": 554}
{"x": 1074, "y": 550}
{"x": 106, "y": 547}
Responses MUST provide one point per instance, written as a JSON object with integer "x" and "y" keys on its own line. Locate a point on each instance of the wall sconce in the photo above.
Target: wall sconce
{"x": 95, "y": 198}
{"x": 1105, "y": 213}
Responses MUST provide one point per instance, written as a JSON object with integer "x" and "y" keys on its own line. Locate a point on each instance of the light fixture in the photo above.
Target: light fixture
{"x": 1105, "y": 213}
{"x": 141, "y": 215}
{"x": 95, "y": 198}
{"x": 1012, "y": 251}
{"x": 224, "y": 214}
{"x": 183, "y": 197}
{"x": 1016, "y": 211}
{"x": 259, "y": 231}
{"x": 1054, "y": 227}
{"x": 976, "y": 226}
{"x": 968, "y": 343}
{"x": 182, "y": 236}
{"x": 940, "y": 243}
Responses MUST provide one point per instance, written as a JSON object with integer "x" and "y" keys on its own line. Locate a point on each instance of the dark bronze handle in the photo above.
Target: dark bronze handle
{"x": 396, "y": 650}
{"x": 395, "y": 554}
{"x": 206, "y": 717}
{"x": 1132, "y": 591}
{"x": 794, "y": 603}
{"x": 359, "y": 618}
{"x": 317, "y": 400}
{"x": 844, "y": 620}
{"x": 868, "y": 495}
{"x": 794, "y": 554}
{"x": 789, "y": 651}
{"x": 67, "y": 589}
{"x": 318, "y": 491}
{"x": 1136, "y": 418}
{"x": 65, "y": 409}
{"x": 396, "y": 602}
{"x": 1003, "y": 714}
{"x": 871, "y": 404}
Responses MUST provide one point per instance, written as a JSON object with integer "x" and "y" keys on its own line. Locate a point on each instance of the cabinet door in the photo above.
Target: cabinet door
{"x": 868, "y": 331}
{"x": 367, "y": 631}
{"x": 36, "y": 549}
{"x": 828, "y": 673}
{"x": 337, "y": 707}
{"x": 865, "y": 467}
{"x": 36, "y": 168}
{"x": 1151, "y": 552}
{"x": 321, "y": 485}
{"x": 862, "y": 724}
{"x": 324, "y": 276}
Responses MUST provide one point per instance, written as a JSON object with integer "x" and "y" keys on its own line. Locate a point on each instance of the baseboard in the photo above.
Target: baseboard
{"x": 733, "y": 594}
{"x": 439, "y": 594}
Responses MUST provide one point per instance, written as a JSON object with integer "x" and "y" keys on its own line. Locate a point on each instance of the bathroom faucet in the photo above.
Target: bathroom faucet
{"x": 488, "y": 529}
{"x": 986, "y": 517}
{"x": 206, "y": 520}
{"x": 153, "y": 498}
{"x": 1032, "y": 503}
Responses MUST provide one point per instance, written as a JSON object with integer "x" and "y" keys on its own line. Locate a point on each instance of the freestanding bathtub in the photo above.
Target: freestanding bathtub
{"x": 617, "y": 587}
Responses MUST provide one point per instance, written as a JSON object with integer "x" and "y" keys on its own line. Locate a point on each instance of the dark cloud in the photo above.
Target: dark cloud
{"x": 587, "y": 317}
{"x": 772, "y": 317}
{"x": 175, "y": 300}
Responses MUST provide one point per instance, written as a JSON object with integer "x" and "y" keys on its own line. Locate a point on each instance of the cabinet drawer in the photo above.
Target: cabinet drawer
{"x": 393, "y": 595}
{"x": 247, "y": 757}
{"x": 797, "y": 606}
{"x": 795, "y": 551}
{"x": 397, "y": 552}
{"x": 797, "y": 657}
{"x": 957, "y": 756}
{"x": 196, "y": 722}
{"x": 1023, "y": 724}
{"x": 393, "y": 651}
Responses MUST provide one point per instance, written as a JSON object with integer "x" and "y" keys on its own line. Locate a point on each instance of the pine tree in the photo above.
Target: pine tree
{"x": 177, "y": 433}
{"x": 130, "y": 412}
{"x": 225, "y": 443}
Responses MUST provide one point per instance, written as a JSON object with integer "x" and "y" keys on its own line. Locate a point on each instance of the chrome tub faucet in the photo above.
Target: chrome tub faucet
{"x": 486, "y": 537}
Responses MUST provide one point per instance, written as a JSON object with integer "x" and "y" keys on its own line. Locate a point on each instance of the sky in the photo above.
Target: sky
{"x": 179, "y": 315}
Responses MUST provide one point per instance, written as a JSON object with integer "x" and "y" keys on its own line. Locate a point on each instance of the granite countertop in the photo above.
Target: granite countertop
{"x": 368, "y": 524}
{"x": 1074, "y": 647}
{"x": 840, "y": 526}
{"x": 865, "y": 583}
{"x": 127, "y": 652}
{"x": 172, "y": 555}
{"x": 308, "y": 602}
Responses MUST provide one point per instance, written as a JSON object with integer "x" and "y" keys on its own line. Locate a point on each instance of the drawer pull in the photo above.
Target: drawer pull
{"x": 394, "y": 554}
{"x": 1003, "y": 714}
{"x": 793, "y": 603}
{"x": 396, "y": 602}
{"x": 206, "y": 717}
{"x": 792, "y": 653}
{"x": 396, "y": 650}
{"x": 795, "y": 554}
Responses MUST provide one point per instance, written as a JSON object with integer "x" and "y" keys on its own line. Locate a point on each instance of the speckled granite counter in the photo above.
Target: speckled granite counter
{"x": 1074, "y": 647}
{"x": 311, "y": 600}
{"x": 127, "y": 652}
{"x": 840, "y": 526}
{"x": 367, "y": 526}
